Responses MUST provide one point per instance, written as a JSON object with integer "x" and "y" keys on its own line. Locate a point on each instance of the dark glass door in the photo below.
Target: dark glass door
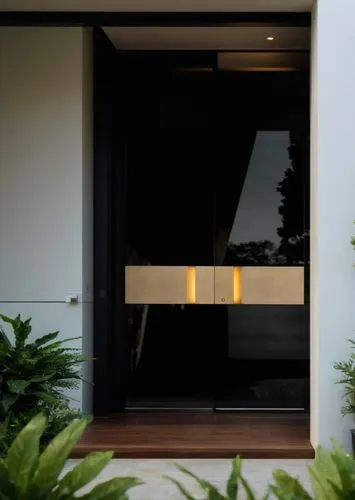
{"x": 217, "y": 239}
{"x": 170, "y": 242}
{"x": 262, "y": 229}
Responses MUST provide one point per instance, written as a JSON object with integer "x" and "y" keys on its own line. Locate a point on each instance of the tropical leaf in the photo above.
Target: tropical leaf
{"x": 249, "y": 493}
{"x": 288, "y": 487}
{"x": 22, "y": 331}
{"x": 6, "y": 487}
{"x": 4, "y": 341}
{"x": 11, "y": 321}
{"x": 4, "y": 425}
{"x": 8, "y": 400}
{"x": 23, "y": 455}
{"x": 181, "y": 488}
{"x": 25, "y": 475}
{"x": 43, "y": 378}
{"x": 35, "y": 373}
{"x": 82, "y": 474}
{"x": 18, "y": 386}
{"x": 116, "y": 487}
{"x": 53, "y": 458}
{"x": 345, "y": 466}
{"x": 46, "y": 338}
{"x": 56, "y": 345}
{"x": 322, "y": 473}
{"x": 47, "y": 397}
{"x": 205, "y": 485}
{"x": 234, "y": 478}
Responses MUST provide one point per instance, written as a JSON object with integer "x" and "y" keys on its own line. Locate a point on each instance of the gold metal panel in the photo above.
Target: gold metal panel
{"x": 205, "y": 285}
{"x": 272, "y": 285}
{"x": 223, "y": 285}
{"x": 156, "y": 285}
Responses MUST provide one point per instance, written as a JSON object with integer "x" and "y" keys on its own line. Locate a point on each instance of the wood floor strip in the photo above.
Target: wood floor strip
{"x": 199, "y": 435}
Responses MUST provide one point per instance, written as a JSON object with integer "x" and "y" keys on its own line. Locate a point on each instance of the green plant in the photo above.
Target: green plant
{"x": 332, "y": 477}
{"x": 236, "y": 483}
{"x": 58, "y": 416}
{"x": 34, "y": 372}
{"x": 352, "y": 239}
{"x": 25, "y": 474}
{"x": 347, "y": 370}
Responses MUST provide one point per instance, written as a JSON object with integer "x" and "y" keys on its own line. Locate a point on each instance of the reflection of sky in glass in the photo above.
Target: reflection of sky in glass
{"x": 257, "y": 217}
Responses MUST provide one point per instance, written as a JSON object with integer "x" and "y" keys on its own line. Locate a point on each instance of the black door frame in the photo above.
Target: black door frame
{"x": 106, "y": 344}
{"x": 156, "y": 19}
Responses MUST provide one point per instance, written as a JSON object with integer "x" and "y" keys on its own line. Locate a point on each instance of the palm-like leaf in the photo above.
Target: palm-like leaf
{"x": 26, "y": 475}
{"x": 235, "y": 480}
{"x": 209, "y": 488}
{"x": 31, "y": 372}
{"x": 347, "y": 379}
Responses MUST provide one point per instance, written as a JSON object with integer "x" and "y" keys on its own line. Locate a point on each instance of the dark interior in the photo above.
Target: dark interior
{"x": 217, "y": 173}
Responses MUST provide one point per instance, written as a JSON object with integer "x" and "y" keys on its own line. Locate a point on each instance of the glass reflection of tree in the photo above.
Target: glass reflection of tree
{"x": 293, "y": 228}
{"x": 292, "y": 206}
{"x": 253, "y": 253}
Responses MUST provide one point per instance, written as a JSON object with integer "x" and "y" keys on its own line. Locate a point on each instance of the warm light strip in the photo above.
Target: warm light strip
{"x": 266, "y": 68}
{"x": 191, "y": 285}
{"x": 237, "y": 285}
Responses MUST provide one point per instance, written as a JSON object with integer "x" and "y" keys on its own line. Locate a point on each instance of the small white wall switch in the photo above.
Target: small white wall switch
{"x": 72, "y": 299}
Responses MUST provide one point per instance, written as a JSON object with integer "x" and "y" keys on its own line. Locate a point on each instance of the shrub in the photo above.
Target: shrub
{"x": 33, "y": 373}
{"x": 28, "y": 475}
{"x": 58, "y": 417}
{"x": 347, "y": 370}
{"x": 332, "y": 477}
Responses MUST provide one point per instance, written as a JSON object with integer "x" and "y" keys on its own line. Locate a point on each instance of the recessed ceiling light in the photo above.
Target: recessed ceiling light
{"x": 270, "y": 38}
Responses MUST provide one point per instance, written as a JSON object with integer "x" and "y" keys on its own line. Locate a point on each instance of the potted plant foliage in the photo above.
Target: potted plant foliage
{"x": 347, "y": 370}
{"x": 34, "y": 376}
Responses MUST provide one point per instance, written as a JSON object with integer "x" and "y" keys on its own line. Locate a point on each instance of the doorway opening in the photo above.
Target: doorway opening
{"x": 211, "y": 260}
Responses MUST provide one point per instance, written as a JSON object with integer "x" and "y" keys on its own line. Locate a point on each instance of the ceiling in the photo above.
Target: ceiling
{"x": 246, "y": 48}
{"x": 158, "y": 5}
{"x": 263, "y": 53}
{"x": 210, "y": 38}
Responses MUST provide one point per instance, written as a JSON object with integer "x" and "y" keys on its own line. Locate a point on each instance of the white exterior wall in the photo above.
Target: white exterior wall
{"x": 46, "y": 181}
{"x": 332, "y": 212}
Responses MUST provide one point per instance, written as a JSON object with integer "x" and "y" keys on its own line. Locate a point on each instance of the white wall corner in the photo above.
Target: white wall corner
{"x": 46, "y": 185}
{"x": 332, "y": 213}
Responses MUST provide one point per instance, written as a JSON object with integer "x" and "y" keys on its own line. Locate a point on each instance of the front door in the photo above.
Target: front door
{"x": 216, "y": 242}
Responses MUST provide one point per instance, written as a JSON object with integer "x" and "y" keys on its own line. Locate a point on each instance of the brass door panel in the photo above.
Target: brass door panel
{"x": 156, "y": 285}
{"x": 205, "y": 285}
{"x": 272, "y": 285}
{"x": 169, "y": 285}
{"x": 214, "y": 285}
{"x": 224, "y": 285}
{"x": 259, "y": 285}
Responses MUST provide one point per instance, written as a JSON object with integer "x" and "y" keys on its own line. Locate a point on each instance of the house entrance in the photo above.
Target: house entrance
{"x": 216, "y": 235}
{"x": 202, "y": 164}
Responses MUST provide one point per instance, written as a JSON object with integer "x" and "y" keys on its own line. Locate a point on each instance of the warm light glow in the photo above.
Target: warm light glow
{"x": 270, "y": 38}
{"x": 191, "y": 285}
{"x": 237, "y": 285}
{"x": 267, "y": 68}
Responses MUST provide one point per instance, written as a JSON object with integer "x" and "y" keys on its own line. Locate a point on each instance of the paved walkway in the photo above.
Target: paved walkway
{"x": 258, "y": 473}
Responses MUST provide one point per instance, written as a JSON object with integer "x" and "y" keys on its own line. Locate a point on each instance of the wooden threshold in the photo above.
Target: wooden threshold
{"x": 199, "y": 435}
